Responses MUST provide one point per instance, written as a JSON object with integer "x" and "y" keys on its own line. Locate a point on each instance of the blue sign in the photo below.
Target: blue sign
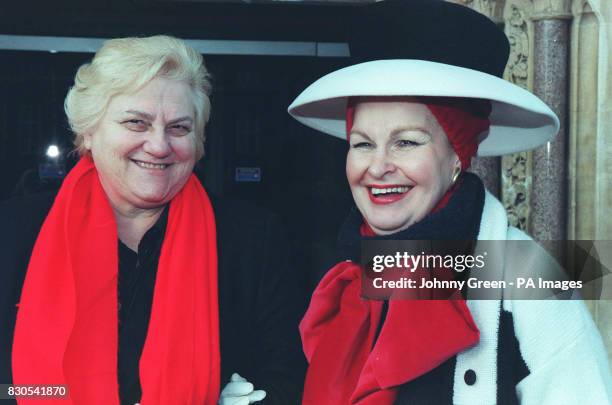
{"x": 51, "y": 170}
{"x": 248, "y": 174}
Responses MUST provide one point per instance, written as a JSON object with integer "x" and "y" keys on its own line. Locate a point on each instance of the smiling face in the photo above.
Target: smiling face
{"x": 144, "y": 146}
{"x": 399, "y": 163}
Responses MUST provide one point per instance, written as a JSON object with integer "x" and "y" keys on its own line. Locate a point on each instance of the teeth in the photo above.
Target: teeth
{"x": 150, "y": 165}
{"x": 379, "y": 191}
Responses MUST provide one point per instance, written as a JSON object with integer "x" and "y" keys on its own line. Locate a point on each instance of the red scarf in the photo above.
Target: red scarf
{"x": 338, "y": 333}
{"x": 67, "y": 322}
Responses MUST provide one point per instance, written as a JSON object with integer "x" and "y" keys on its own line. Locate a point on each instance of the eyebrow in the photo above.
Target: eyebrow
{"x": 185, "y": 118}
{"x": 360, "y": 134}
{"x": 141, "y": 114}
{"x": 396, "y": 131}
{"x": 151, "y": 117}
{"x": 399, "y": 130}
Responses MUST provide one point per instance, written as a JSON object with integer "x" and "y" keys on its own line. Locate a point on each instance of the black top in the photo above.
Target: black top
{"x": 137, "y": 273}
{"x": 260, "y": 302}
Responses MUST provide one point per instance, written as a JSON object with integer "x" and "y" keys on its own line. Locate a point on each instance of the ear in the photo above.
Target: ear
{"x": 456, "y": 162}
{"x": 200, "y": 148}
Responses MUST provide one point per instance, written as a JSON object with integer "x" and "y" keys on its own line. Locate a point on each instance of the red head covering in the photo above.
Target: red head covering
{"x": 462, "y": 120}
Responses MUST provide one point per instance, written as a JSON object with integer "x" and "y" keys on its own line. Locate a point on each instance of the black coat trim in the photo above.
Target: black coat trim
{"x": 511, "y": 367}
{"x": 437, "y": 386}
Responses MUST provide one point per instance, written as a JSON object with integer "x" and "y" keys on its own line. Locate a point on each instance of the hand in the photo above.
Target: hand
{"x": 240, "y": 392}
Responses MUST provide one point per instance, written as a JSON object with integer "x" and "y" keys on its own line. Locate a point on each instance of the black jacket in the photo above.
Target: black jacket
{"x": 260, "y": 302}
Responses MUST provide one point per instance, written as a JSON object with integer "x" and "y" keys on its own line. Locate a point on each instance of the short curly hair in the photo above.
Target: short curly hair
{"x": 123, "y": 66}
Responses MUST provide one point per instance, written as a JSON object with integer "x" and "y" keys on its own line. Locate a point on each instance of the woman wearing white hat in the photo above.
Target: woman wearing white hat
{"x": 413, "y": 124}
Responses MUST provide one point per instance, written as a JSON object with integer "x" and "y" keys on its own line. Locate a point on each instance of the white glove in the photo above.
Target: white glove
{"x": 240, "y": 392}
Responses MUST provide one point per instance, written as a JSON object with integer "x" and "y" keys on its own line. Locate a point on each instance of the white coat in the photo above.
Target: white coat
{"x": 558, "y": 341}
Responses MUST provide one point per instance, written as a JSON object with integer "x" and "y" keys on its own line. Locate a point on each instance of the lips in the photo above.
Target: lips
{"x": 150, "y": 165}
{"x": 387, "y": 193}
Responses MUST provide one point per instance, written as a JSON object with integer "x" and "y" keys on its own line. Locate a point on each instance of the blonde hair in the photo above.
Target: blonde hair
{"x": 124, "y": 65}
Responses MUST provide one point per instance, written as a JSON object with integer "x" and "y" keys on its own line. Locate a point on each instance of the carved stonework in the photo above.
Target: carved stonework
{"x": 517, "y": 31}
{"x": 549, "y": 9}
{"x": 516, "y": 182}
{"x": 516, "y": 168}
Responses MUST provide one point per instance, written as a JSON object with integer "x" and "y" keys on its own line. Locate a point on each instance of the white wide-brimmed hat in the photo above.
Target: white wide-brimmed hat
{"x": 430, "y": 48}
{"x": 519, "y": 120}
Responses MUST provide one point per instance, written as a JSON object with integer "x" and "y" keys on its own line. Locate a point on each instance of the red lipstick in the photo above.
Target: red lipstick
{"x": 389, "y": 198}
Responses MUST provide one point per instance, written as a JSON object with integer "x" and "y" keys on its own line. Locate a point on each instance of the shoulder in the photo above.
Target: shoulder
{"x": 33, "y": 206}
{"x": 21, "y": 220}
{"x": 516, "y": 234}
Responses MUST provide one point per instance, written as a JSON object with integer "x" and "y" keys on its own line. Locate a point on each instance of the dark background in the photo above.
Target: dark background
{"x": 302, "y": 171}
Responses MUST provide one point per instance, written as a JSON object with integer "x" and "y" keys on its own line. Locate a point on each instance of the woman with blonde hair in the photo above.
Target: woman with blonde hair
{"x": 123, "y": 286}
{"x": 424, "y": 99}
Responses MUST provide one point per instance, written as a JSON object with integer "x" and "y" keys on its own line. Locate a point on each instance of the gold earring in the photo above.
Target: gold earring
{"x": 456, "y": 174}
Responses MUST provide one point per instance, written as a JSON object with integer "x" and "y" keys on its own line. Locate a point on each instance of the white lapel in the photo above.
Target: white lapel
{"x": 482, "y": 358}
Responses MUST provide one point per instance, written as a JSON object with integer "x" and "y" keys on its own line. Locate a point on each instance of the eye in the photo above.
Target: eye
{"x": 179, "y": 129}
{"x": 136, "y": 124}
{"x": 406, "y": 143}
{"x": 361, "y": 145}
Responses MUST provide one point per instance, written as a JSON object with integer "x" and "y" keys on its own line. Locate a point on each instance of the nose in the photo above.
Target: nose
{"x": 381, "y": 164}
{"x": 157, "y": 143}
